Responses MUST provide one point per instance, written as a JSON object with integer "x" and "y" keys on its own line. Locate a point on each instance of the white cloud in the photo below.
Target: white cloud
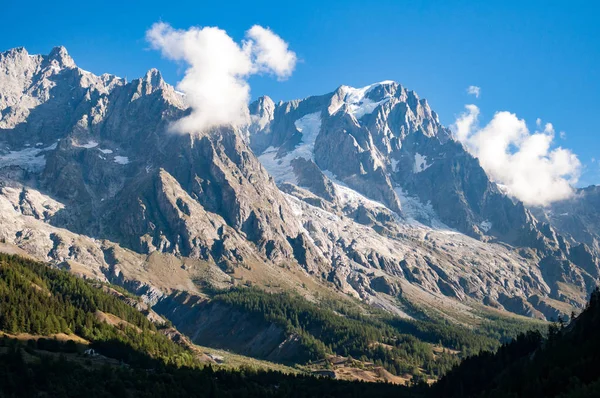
{"x": 215, "y": 81}
{"x": 465, "y": 122}
{"x": 474, "y": 90}
{"x": 524, "y": 162}
{"x": 270, "y": 52}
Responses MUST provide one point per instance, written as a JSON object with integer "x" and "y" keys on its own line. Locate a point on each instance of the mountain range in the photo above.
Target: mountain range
{"x": 359, "y": 193}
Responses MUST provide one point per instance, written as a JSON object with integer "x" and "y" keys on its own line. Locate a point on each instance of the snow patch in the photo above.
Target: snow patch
{"x": 394, "y": 165}
{"x": 355, "y": 143}
{"x": 280, "y": 168}
{"x": 414, "y": 210}
{"x": 310, "y": 126}
{"x": 503, "y": 189}
{"x": 485, "y": 226}
{"x": 358, "y": 104}
{"x": 88, "y": 145}
{"x": 105, "y": 151}
{"x": 420, "y": 163}
{"x": 30, "y": 159}
{"x": 121, "y": 159}
{"x": 348, "y": 196}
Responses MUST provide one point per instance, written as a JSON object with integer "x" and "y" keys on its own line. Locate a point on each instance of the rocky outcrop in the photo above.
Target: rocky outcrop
{"x": 576, "y": 218}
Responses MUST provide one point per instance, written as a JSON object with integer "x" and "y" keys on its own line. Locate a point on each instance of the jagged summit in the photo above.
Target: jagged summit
{"x": 62, "y": 57}
{"x": 365, "y": 127}
{"x": 58, "y": 56}
{"x": 154, "y": 77}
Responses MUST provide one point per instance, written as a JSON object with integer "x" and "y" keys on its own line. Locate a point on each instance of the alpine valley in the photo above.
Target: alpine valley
{"x": 356, "y": 203}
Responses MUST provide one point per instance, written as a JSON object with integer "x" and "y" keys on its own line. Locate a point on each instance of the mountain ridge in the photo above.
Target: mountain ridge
{"x": 458, "y": 189}
{"x": 383, "y": 204}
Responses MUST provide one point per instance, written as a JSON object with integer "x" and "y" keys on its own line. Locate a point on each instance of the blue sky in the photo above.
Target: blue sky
{"x": 538, "y": 59}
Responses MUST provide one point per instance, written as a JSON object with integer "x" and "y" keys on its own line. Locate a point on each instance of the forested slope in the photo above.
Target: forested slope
{"x": 37, "y": 301}
{"x": 565, "y": 363}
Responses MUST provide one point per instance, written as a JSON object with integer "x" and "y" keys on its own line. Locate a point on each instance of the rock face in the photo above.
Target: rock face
{"x": 386, "y": 144}
{"x": 102, "y": 145}
{"x": 577, "y": 218}
{"x": 361, "y": 190}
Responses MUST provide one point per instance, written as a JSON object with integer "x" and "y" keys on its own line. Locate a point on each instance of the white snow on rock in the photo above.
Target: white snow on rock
{"x": 485, "y": 225}
{"x": 348, "y": 196}
{"x": 358, "y": 104}
{"x": 503, "y": 189}
{"x": 121, "y": 159}
{"x": 309, "y": 125}
{"x": 414, "y": 210}
{"x": 280, "y": 168}
{"x": 88, "y": 145}
{"x": 105, "y": 151}
{"x": 420, "y": 163}
{"x": 30, "y": 159}
{"x": 355, "y": 143}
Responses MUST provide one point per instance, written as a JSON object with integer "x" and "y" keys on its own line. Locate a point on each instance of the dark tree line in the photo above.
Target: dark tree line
{"x": 62, "y": 378}
{"x": 564, "y": 364}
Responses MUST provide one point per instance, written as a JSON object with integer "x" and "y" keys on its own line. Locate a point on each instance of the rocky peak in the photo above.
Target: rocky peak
{"x": 361, "y": 101}
{"x": 261, "y": 112}
{"x": 13, "y": 57}
{"x": 153, "y": 84}
{"x": 153, "y": 80}
{"x": 60, "y": 55}
{"x": 13, "y": 53}
{"x": 262, "y": 106}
